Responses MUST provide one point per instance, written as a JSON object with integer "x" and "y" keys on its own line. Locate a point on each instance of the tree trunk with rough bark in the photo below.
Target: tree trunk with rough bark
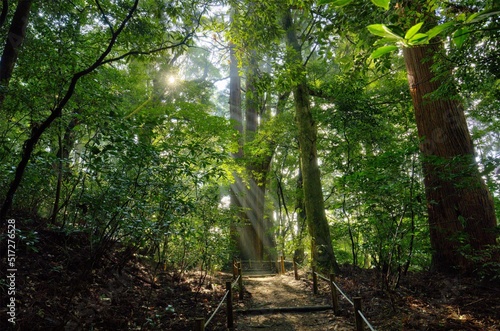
{"x": 461, "y": 211}
{"x": 237, "y": 189}
{"x": 256, "y": 172}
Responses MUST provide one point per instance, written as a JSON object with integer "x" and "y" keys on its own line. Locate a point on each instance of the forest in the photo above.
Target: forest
{"x": 146, "y": 145}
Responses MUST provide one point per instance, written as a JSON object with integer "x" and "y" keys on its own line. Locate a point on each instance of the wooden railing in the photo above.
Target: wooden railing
{"x": 200, "y": 324}
{"x": 334, "y": 290}
{"x": 360, "y": 319}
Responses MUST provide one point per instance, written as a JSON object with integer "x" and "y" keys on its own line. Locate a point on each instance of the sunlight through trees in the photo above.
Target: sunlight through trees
{"x": 331, "y": 132}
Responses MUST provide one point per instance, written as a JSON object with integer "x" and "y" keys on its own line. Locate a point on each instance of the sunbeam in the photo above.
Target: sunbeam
{"x": 253, "y": 239}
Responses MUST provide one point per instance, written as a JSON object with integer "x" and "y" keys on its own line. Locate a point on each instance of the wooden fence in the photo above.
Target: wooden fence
{"x": 200, "y": 324}
{"x": 360, "y": 320}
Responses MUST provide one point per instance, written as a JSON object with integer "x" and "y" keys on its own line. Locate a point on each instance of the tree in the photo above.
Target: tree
{"x": 321, "y": 245}
{"x": 255, "y": 231}
{"x": 105, "y": 56}
{"x": 239, "y": 233}
{"x": 257, "y": 164}
{"x": 368, "y": 147}
{"x": 461, "y": 211}
{"x": 290, "y": 75}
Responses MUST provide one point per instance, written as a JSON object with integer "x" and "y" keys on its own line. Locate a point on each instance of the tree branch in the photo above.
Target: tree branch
{"x": 157, "y": 50}
{"x": 320, "y": 94}
{"x": 104, "y": 16}
{"x": 39, "y": 128}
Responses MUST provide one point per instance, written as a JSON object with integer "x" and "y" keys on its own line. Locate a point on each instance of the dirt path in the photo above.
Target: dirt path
{"x": 285, "y": 291}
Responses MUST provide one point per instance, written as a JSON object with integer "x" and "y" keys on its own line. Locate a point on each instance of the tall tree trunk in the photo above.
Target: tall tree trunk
{"x": 255, "y": 197}
{"x": 461, "y": 211}
{"x": 15, "y": 37}
{"x": 321, "y": 245}
{"x": 237, "y": 188}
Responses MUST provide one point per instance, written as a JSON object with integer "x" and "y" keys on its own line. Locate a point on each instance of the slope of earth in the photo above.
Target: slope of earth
{"x": 60, "y": 287}
{"x": 423, "y": 301}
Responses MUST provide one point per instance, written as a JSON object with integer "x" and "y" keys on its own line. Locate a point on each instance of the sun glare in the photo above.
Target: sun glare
{"x": 171, "y": 80}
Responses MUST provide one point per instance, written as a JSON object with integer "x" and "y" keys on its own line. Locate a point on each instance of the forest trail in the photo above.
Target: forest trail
{"x": 285, "y": 291}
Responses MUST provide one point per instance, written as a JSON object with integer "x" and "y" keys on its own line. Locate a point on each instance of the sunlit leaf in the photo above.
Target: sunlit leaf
{"x": 460, "y": 36}
{"x": 382, "y": 3}
{"x": 383, "y": 31}
{"x": 481, "y": 16}
{"x": 472, "y": 17}
{"x": 337, "y": 3}
{"x": 382, "y": 51}
{"x": 419, "y": 38}
{"x": 413, "y": 30}
{"x": 460, "y": 17}
{"x": 438, "y": 29}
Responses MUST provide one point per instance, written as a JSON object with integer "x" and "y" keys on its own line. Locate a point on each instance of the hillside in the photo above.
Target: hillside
{"x": 58, "y": 288}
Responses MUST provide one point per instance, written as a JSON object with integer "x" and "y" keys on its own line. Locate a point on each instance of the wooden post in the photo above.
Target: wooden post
{"x": 282, "y": 264}
{"x": 229, "y": 306}
{"x": 295, "y": 270}
{"x": 240, "y": 282}
{"x": 199, "y": 324}
{"x": 333, "y": 292}
{"x": 357, "y": 307}
{"x": 315, "y": 281}
{"x": 234, "y": 269}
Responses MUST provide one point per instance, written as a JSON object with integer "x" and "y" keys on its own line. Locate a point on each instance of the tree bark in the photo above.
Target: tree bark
{"x": 321, "y": 245}
{"x": 257, "y": 174}
{"x": 461, "y": 211}
{"x": 256, "y": 242}
{"x": 15, "y": 37}
{"x": 236, "y": 191}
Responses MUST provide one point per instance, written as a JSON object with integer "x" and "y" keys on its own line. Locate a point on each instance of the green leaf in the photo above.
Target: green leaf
{"x": 460, "y": 36}
{"x": 472, "y": 17}
{"x": 382, "y": 3}
{"x": 413, "y": 30}
{"x": 438, "y": 29}
{"x": 481, "y": 16}
{"x": 460, "y": 17}
{"x": 383, "y": 31}
{"x": 337, "y": 3}
{"x": 382, "y": 51}
{"x": 419, "y": 38}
